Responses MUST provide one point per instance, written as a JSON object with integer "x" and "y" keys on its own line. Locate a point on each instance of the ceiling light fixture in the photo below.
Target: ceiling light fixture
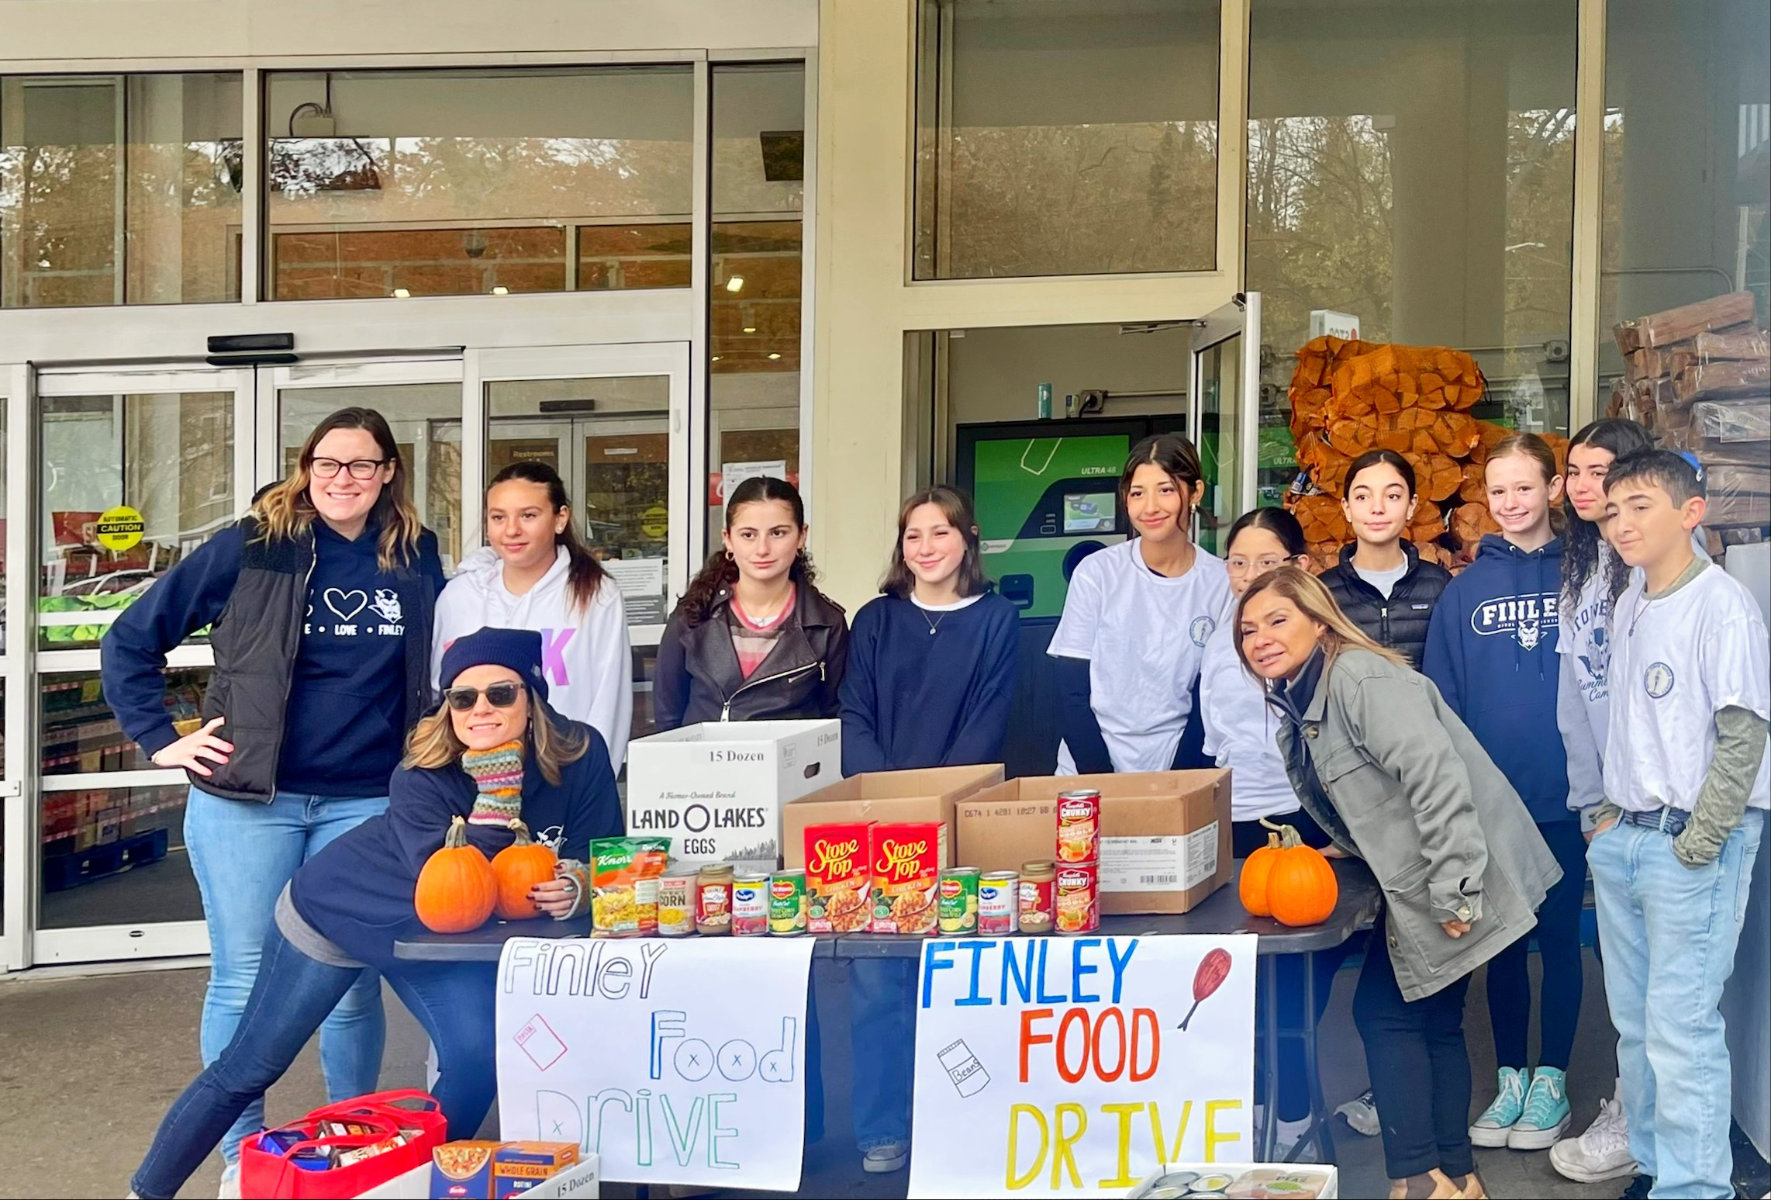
{"x": 735, "y": 283}
{"x": 500, "y": 290}
{"x": 774, "y": 357}
{"x": 402, "y": 294}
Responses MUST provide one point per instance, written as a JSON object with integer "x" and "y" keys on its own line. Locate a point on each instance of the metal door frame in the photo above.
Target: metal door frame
{"x": 1239, "y": 318}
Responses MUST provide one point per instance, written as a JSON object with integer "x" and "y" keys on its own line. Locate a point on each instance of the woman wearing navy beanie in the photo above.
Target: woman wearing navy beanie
{"x": 492, "y": 752}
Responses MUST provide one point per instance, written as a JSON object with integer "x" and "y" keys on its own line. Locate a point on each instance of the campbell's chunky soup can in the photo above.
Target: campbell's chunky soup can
{"x": 957, "y": 906}
{"x": 713, "y": 900}
{"x": 1078, "y": 897}
{"x": 750, "y": 904}
{"x": 787, "y": 903}
{"x": 1037, "y": 902}
{"x": 999, "y": 903}
{"x": 1079, "y": 825}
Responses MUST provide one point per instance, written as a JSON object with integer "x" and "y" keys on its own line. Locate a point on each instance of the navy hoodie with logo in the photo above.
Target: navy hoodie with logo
{"x": 1491, "y": 649}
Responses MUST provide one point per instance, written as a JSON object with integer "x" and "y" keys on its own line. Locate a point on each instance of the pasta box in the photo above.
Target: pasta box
{"x": 1165, "y": 835}
{"x": 716, "y": 789}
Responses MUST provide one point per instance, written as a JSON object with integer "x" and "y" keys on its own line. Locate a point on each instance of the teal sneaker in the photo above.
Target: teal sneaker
{"x": 1498, "y": 1119}
{"x": 1546, "y": 1113}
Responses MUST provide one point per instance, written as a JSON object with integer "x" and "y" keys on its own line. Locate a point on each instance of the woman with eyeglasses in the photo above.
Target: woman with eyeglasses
{"x": 491, "y": 754}
{"x": 319, "y": 604}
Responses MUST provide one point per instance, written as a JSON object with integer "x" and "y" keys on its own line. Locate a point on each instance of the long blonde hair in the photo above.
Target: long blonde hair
{"x": 1315, "y": 602}
{"x": 285, "y": 510}
{"x": 433, "y": 743}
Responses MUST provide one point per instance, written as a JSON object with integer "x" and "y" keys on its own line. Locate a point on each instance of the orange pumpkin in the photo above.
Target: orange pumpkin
{"x": 1252, "y": 887}
{"x": 1292, "y": 883}
{"x": 519, "y": 867}
{"x": 456, "y": 889}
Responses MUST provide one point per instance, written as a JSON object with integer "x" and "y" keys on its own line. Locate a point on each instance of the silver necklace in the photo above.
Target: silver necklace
{"x": 934, "y": 625}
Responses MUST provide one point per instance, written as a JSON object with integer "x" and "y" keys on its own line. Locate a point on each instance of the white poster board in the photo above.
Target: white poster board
{"x": 1053, "y": 1066}
{"x": 673, "y": 1060}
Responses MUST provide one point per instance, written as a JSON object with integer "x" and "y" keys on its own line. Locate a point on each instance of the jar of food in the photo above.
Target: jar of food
{"x": 750, "y": 904}
{"x": 1037, "y": 880}
{"x": 713, "y": 900}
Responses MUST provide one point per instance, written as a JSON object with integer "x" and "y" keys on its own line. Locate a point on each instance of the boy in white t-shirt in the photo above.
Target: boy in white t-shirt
{"x": 1686, "y": 776}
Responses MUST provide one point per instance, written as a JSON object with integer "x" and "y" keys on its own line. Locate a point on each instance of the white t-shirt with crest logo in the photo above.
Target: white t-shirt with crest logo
{"x": 1677, "y": 661}
{"x": 1144, "y": 637}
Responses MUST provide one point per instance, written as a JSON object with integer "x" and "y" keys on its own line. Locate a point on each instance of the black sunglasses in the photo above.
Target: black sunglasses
{"x": 499, "y": 695}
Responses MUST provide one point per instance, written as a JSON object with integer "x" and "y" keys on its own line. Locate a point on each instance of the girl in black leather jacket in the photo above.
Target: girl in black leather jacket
{"x": 753, "y": 639}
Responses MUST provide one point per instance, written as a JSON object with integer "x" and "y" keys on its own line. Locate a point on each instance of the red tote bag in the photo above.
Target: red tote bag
{"x": 268, "y": 1173}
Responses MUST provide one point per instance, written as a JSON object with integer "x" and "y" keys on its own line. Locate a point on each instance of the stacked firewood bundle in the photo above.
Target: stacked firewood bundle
{"x": 1700, "y": 378}
{"x": 1348, "y": 397}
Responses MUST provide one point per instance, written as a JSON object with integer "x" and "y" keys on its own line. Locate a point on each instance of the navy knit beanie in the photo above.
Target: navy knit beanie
{"x": 518, "y": 649}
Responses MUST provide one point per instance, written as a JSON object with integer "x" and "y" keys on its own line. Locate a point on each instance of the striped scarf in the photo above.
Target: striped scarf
{"x": 499, "y": 774}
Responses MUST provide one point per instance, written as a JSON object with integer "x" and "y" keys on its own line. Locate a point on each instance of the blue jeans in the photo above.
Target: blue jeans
{"x": 882, "y": 1033}
{"x": 291, "y": 997}
{"x": 1670, "y": 934}
{"x": 242, "y": 853}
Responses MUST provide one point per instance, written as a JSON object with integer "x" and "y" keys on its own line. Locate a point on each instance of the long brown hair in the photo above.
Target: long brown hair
{"x": 721, "y": 570}
{"x": 1315, "y": 602}
{"x": 1538, "y": 451}
{"x": 285, "y": 510}
{"x": 1620, "y": 437}
{"x": 900, "y": 581}
{"x": 433, "y": 743}
{"x": 584, "y": 574}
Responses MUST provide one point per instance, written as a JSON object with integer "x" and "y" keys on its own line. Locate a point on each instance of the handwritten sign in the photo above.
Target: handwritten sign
{"x": 676, "y": 1061}
{"x": 1076, "y": 1066}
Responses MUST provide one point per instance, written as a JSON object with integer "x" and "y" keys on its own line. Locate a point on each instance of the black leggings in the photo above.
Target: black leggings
{"x": 1558, "y": 944}
{"x": 1419, "y": 1068}
{"x": 1294, "y": 1092}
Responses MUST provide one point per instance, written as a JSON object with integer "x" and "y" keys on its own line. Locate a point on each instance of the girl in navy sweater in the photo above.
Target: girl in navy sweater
{"x": 345, "y": 907}
{"x": 931, "y": 674}
{"x": 1492, "y": 651}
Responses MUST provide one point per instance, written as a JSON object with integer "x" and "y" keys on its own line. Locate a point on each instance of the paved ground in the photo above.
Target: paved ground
{"x": 88, "y": 1065}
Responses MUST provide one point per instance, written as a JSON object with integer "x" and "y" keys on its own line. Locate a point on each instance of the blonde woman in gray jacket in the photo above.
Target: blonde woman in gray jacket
{"x": 1394, "y": 777}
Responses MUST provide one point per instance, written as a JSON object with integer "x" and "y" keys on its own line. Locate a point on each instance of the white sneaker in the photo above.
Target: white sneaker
{"x": 1602, "y": 1152}
{"x": 1361, "y": 1114}
{"x": 1292, "y": 1142}
{"x": 230, "y": 1183}
{"x": 883, "y": 1160}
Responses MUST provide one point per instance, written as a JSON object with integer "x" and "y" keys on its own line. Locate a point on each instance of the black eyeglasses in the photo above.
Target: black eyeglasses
{"x": 359, "y": 468}
{"x": 498, "y": 695}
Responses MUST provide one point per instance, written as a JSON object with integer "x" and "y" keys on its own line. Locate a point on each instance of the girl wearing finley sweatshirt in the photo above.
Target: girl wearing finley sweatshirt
{"x": 931, "y": 674}
{"x": 1136, "y": 621}
{"x": 320, "y": 601}
{"x": 1241, "y": 733}
{"x": 1380, "y": 582}
{"x": 538, "y": 574}
{"x": 1491, "y": 648}
{"x": 1593, "y": 577}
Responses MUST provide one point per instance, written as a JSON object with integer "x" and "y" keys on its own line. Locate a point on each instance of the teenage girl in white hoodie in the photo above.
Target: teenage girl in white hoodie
{"x": 538, "y": 574}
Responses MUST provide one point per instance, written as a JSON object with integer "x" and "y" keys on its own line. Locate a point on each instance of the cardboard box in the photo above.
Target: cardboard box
{"x": 716, "y": 790}
{"x": 1165, "y": 836}
{"x": 578, "y": 1182}
{"x": 927, "y": 795}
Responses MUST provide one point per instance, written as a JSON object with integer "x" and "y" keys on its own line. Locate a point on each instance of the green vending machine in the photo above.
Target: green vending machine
{"x": 1047, "y": 496}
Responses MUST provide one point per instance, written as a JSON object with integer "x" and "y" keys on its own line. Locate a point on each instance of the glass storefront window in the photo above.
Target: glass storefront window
{"x": 169, "y": 456}
{"x": 115, "y": 855}
{"x": 758, "y": 236}
{"x": 1415, "y": 168}
{"x": 1687, "y": 158}
{"x": 426, "y": 423}
{"x": 456, "y": 182}
{"x": 609, "y": 438}
{"x": 81, "y": 736}
{"x": 1063, "y": 137}
{"x": 119, "y": 189}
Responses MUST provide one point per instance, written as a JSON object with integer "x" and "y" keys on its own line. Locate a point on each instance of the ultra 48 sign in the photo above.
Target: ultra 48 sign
{"x": 1075, "y": 1066}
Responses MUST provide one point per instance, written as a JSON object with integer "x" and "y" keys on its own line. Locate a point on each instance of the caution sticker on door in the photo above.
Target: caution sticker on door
{"x": 119, "y": 528}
